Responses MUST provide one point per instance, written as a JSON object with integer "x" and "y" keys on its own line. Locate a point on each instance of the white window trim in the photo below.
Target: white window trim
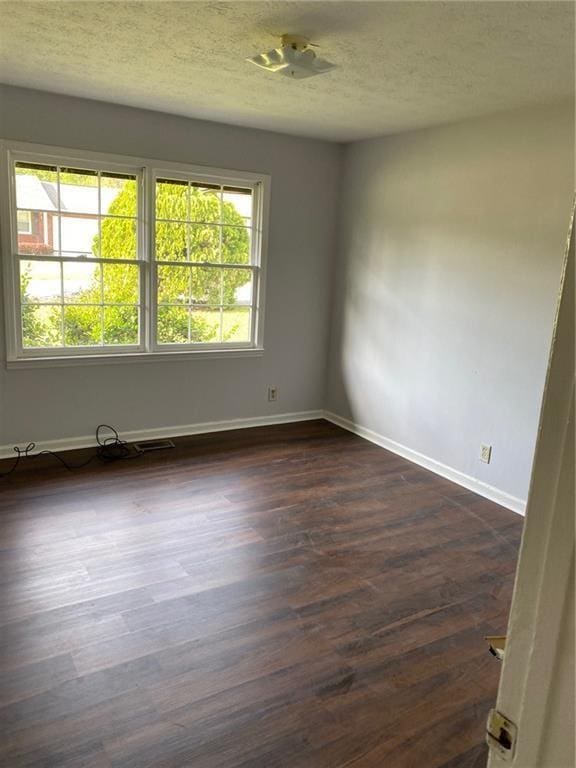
{"x": 149, "y": 169}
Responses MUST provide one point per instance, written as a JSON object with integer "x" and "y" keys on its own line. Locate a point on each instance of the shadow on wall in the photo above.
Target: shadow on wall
{"x": 449, "y": 274}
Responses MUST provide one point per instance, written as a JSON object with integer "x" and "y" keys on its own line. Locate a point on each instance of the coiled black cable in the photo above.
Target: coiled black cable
{"x": 108, "y": 450}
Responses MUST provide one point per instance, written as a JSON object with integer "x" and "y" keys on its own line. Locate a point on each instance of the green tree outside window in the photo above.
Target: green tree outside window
{"x": 179, "y": 286}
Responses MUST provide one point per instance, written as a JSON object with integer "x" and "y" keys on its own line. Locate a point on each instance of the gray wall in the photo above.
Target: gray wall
{"x": 444, "y": 286}
{"x": 49, "y": 403}
{"x": 451, "y": 245}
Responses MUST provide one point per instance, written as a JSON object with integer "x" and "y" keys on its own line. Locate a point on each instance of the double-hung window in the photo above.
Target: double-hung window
{"x": 77, "y": 267}
{"x": 205, "y": 271}
{"x": 128, "y": 257}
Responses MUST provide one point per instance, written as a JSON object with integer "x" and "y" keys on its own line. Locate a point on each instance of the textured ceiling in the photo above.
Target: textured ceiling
{"x": 401, "y": 65}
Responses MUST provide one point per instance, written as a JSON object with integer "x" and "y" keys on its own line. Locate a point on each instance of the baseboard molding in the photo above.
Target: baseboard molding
{"x": 182, "y": 430}
{"x": 471, "y": 483}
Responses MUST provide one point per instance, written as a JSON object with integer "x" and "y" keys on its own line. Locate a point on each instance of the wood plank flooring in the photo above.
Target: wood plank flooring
{"x": 281, "y": 597}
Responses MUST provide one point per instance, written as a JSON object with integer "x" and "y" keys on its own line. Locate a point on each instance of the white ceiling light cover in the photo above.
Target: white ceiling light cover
{"x": 294, "y": 59}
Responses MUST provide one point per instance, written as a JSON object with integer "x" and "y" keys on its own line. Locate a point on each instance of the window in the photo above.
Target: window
{"x": 25, "y": 222}
{"x": 79, "y": 274}
{"x": 204, "y": 266}
{"x": 93, "y": 273}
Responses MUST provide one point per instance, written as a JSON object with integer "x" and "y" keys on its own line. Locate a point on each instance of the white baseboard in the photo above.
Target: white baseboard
{"x": 89, "y": 441}
{"x": 471, "y": 483}
{"x": 483, "y": 489}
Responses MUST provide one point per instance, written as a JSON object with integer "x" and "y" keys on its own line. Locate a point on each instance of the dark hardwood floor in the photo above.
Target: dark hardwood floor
{"x": 288, "y": 596}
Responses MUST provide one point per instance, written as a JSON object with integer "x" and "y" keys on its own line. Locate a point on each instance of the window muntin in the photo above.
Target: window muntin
{"x": 77, "y": 286}
{"x": 206, "y": 264}
{"x": 89, "y": 276}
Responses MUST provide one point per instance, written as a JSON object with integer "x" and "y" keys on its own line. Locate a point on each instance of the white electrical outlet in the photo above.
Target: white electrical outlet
{"x": 485, "y": 453}
{"x": 272, "y": 394}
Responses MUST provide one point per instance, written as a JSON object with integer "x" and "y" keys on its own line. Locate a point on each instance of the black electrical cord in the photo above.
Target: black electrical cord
{"x": 109, "y": 449}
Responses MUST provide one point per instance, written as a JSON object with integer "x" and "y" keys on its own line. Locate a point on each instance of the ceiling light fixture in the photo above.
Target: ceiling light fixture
{"x": 294, "y": 59}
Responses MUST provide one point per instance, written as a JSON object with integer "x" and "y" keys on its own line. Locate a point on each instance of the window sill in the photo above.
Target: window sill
{"x": 132, "y": 357}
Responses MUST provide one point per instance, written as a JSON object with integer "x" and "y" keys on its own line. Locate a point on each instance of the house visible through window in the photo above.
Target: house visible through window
{"x": 78, "y": 288}
{"x": 93, "y": 275}
{"x": 25, "y": 222}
